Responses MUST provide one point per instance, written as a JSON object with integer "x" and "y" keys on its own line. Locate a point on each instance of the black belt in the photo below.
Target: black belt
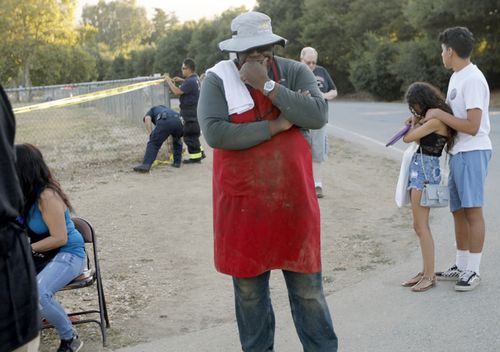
{"x": 165, "y": 116}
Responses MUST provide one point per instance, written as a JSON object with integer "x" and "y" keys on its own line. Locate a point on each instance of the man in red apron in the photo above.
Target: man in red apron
{"x": 255, "y": 112}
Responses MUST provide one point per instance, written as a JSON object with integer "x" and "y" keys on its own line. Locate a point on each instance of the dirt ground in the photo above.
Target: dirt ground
{"x": 156, "y": 251}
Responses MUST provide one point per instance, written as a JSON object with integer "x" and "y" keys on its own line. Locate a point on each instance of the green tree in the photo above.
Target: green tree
{"x": 324, "y": 29}
{"x": 371, "y": 71}
{"x": 120, "y": 24}
{"x": 29, "y": 25}
{"x": 418, "y": 60}
{"x": 142, "y": 61}
{"x": 285, "y": 16}
{"x": 56, "y": 64}
{"x": 173, "y": 49}
{"x": 163, "y": 22}
{"x": 481, "y": 17}
{"x": 120, "y": 68}
{"x": 203, "y": 46}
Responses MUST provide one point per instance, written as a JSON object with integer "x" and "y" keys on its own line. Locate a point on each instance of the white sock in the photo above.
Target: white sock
{"x": 317, "y": 174}
{"x": 474, "y": 262}
{"x": 462, "y": 259}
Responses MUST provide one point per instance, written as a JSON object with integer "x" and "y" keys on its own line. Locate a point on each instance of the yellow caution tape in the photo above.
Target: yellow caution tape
{"x": 87, "y": 97}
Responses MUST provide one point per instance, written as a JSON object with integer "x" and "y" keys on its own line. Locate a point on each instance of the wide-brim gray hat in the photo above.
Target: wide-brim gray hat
{"x": 251, "y": 30}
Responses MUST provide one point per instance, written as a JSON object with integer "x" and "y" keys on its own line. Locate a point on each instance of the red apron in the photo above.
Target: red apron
{"x": 266, "y": 214}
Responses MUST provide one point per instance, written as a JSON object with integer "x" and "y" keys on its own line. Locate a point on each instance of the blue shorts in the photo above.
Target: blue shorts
{"x": 468, "y": 172}
{"x": 418, "y": 177}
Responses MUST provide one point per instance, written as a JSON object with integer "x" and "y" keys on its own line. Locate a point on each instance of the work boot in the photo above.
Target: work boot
{"x": 192, "y": 161}
{"x": 143, "y": 168}
{"x": 177, "y": 165}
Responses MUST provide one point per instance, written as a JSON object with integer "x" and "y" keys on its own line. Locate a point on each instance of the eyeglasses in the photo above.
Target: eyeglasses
{"x": 184, "y": 68}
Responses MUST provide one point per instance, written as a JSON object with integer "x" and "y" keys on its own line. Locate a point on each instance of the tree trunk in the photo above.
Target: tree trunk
{"x": 27, "y": 79}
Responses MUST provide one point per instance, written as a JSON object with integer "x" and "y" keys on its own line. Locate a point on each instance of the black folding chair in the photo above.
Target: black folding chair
{"x": 91, "y": 275}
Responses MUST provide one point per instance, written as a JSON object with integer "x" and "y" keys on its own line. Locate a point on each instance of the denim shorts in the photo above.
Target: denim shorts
{"x": 468, "y": 172}
{"x": 418, "y": 177}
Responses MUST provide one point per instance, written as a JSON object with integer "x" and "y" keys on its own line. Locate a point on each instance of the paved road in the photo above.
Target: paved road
{"x": 376, "y": 315}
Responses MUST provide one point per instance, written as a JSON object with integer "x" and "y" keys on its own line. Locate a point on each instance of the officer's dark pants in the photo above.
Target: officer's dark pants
{"x": 192, "y": 135}
{"x": 164, "y": 128}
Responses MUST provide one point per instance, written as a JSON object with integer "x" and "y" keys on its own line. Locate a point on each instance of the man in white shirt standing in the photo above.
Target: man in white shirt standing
{"x": 468, "y": 96}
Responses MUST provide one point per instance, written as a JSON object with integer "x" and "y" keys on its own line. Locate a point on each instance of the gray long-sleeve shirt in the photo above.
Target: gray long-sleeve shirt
{"x": 307, "y": 112}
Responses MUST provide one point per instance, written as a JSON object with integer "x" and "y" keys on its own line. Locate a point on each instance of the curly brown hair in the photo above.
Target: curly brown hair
{"x": 421, "y": 97}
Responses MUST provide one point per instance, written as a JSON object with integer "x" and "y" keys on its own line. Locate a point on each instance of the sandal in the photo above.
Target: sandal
{"x": 431, "y": 282}
{"x": 413, "y": 281}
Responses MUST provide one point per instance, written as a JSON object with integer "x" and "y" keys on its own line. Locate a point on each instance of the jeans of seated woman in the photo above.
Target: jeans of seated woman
{"x": 310, "y": 313}
{"x": 57, "y": 274}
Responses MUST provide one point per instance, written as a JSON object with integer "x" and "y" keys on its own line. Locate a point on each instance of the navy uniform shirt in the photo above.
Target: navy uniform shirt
{"x": 191, "y": 89}
{"x": 155, "y": 111}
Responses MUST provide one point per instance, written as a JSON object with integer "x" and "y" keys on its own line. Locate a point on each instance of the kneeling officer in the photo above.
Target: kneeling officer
{"x": 161, "y": 122}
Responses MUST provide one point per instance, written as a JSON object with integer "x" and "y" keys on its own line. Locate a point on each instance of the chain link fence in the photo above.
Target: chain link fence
{"x": 91, "y": 138}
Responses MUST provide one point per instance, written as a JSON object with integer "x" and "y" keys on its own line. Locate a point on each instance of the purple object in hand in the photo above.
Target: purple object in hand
{"x": 398, "y": 135}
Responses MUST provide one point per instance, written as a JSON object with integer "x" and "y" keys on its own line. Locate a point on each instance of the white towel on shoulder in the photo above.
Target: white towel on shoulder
{"x": 238, "y": 97}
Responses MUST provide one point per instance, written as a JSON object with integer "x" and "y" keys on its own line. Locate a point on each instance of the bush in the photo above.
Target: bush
{"x": 420, "y": 60}
{"x": 371, "y": 70}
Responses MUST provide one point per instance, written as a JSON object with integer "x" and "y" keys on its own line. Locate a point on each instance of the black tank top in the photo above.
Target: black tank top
{"x": 432, "y": 144}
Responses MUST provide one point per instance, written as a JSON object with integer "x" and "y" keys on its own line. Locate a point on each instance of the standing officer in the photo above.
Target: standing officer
{"x": 161, "y": 122}
{"x": 188, "y": 93}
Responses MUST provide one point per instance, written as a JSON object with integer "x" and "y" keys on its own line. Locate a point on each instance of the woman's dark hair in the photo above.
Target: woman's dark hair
{"x": 421, "y": 97}
{"x": 34, "y": 176}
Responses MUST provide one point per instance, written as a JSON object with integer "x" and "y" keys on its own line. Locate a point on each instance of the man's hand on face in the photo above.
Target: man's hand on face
{"x": 254, "y": 73}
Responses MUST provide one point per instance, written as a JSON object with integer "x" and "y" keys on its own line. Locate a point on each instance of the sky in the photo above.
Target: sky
{"x": 184, "y": 9}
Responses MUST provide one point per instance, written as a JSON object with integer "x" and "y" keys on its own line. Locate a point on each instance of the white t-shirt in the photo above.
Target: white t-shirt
{"x": 468, "y": 89}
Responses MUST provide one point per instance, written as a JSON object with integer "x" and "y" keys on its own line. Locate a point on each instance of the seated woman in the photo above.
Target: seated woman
{"x": 54, "y": 239}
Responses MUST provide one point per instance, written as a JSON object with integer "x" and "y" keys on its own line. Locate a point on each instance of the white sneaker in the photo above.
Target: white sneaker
{"x": 468, "y": 281}
{"x": 452, "y": 274}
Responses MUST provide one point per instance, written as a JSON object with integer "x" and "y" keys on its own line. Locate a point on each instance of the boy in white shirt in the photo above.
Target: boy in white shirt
{"x": 468, "y": 96}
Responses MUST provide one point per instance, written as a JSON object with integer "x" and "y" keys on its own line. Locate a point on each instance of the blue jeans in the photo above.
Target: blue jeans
{"x": 165, "y": 127}
{"x": 255, "y": 316}
{"x": 57, "y": 274}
